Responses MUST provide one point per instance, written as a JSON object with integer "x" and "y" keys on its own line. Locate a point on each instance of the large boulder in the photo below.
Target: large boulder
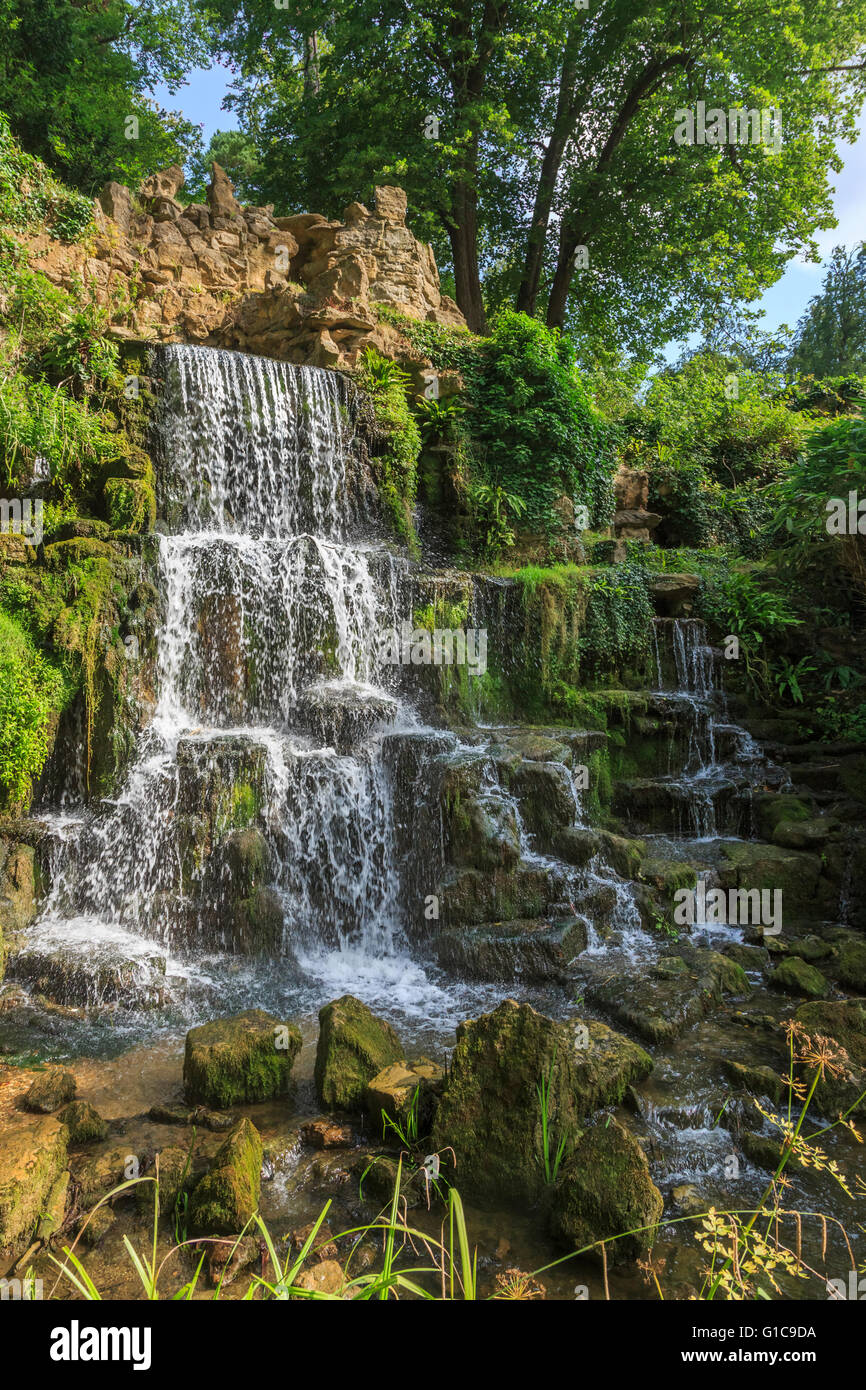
{"x": 796, "y": 976}
{"x": 239, "y": 1060}
{"x": 354, "y": 1046}
{"x": 605, "y": 1189}
{"x": 32, "y": 1158}
{"x": 491, "y": 1111}
{"x": 228, "y": 1195}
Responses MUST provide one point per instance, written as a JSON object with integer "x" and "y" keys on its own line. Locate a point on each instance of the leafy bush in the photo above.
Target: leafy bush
{"x": 41, "y": 426}
{"x": 534, "y": 429}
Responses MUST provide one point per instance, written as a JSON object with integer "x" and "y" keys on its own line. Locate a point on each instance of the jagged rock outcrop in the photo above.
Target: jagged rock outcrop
{"x": 301, "y": 289}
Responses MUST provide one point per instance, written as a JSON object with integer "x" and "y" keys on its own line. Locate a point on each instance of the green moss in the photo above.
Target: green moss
{"x": 354, "y": 1046}
{"x": 131, "y": 504}
{"x": 239, "y": 1060}
{"x": 33, "y": 693}
{"x": 228, "y": 1195}
{"x": 605, "y": 1190}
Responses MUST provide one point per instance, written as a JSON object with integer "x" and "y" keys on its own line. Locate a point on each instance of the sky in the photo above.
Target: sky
{"x": 201, "y": 101}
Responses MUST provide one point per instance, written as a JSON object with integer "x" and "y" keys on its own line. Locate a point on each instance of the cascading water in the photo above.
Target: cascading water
{"x": 267, "y": 644}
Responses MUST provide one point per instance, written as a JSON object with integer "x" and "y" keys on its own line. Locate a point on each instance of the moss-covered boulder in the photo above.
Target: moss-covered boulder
{"x": 32, "y": 1157}
{"x": 795, "y": 873}
{"x": 85, "y": 1125}
{"x": 239, "y": 1060}
{"x": 795, "y": 976}
{"x": 662, "y": 1004}
{"x": 491, "y": 1111}
{"x": 228, "y": 1195}
{"x": 844, "y": 1022}
{"x": 605, "y": 1190}
{"x": 354, "y": 1046}
{"x": 606, "y": 1064}
{"x": 849, "y": 964}
{"x": 529, "y": 950}
{"x": 546, "y": 797}
{"x": 50, "y": 1091}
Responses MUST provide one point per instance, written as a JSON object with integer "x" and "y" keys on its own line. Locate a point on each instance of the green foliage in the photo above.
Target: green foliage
{"x": 831, "y": 336}
{"x": 508, "y": 185}
{"x": 79, "y": 352}
{"x": 32, "y": 693}
{"x": 617, "y": 629}
{"x": 832, "y": 463}
{"x": 493, "y": 510}
{"x": 40, "y": 421}
{"x": 30, "y": 196}
{"x": 399, "y": 439}
{"x": 535, "y": 432}
{"x": 74, "y": 76}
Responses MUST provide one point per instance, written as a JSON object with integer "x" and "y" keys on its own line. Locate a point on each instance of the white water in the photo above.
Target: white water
{"x": 263, "y": 599}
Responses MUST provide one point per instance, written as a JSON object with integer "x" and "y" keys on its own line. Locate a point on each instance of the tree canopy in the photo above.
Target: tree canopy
{"x": 536, "y": 140}
{"x": 77, "y": 83}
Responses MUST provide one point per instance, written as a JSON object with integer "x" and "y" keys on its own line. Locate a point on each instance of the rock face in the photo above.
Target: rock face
{"x": 491, "y": 1111}
{"x": 354, "y": 1046}
{"x": 301, "y": 289}
{"x": 239, "y": 1060}
{"x": 228, "y": 1195}
{"x": 32, "y": 1158}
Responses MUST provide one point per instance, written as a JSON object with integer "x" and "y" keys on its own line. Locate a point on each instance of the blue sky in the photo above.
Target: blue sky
{"x": 201, "y": 101}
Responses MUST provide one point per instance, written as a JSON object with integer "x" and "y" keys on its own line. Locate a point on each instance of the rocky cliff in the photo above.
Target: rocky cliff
{"x": 300, "y": 289}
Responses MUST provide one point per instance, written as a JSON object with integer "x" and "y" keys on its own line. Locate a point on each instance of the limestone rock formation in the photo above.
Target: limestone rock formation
{"x": 301, "y": 289}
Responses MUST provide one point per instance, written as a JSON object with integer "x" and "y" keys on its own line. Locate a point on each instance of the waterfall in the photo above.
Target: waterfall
{"x": 271, "y": 702}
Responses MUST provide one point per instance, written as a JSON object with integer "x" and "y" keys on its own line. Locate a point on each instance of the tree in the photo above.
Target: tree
{"x": 76, "y": 81}
{"x": 537, "y": 142}
{"x": 830, "y": 338}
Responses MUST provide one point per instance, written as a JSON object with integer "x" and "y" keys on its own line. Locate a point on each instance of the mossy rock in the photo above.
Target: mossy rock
{"x": 771, "y": 809}
{"x": 604, "y": 1190}
{"x": 796, "y": 874}
{"x": 393, "y": 1092}
{"x": 130, "y": 504}
{"x": 578, "y": 845}
{"x": 759, "y": 1081}
{"x": 844, "y": 1022}
{"x": 546, "y": 798}
{"x": 354, "y": 1046}
{"x": 85, "y": 1125}
{"x": 849, "y": 965}
{"x": 483, "y": 834}
{"x": 765, "y": 1151}
{"x": 811, "y": 948}
{"x": 33, "y": 1155}
{"x": 228, "y": 1195}
{"x": 491, "y": 1111}
{"x": 796, "y": 976}
{"x": 50, "y": 1091}
{"x": 239, "y": 1060}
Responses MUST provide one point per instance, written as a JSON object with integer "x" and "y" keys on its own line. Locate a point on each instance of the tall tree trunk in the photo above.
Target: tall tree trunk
{"x": 463, "y": 234}
{"x": 571, "y": 236}
{"x": 311, "y": 65}
{"x": 563, "y": 125}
